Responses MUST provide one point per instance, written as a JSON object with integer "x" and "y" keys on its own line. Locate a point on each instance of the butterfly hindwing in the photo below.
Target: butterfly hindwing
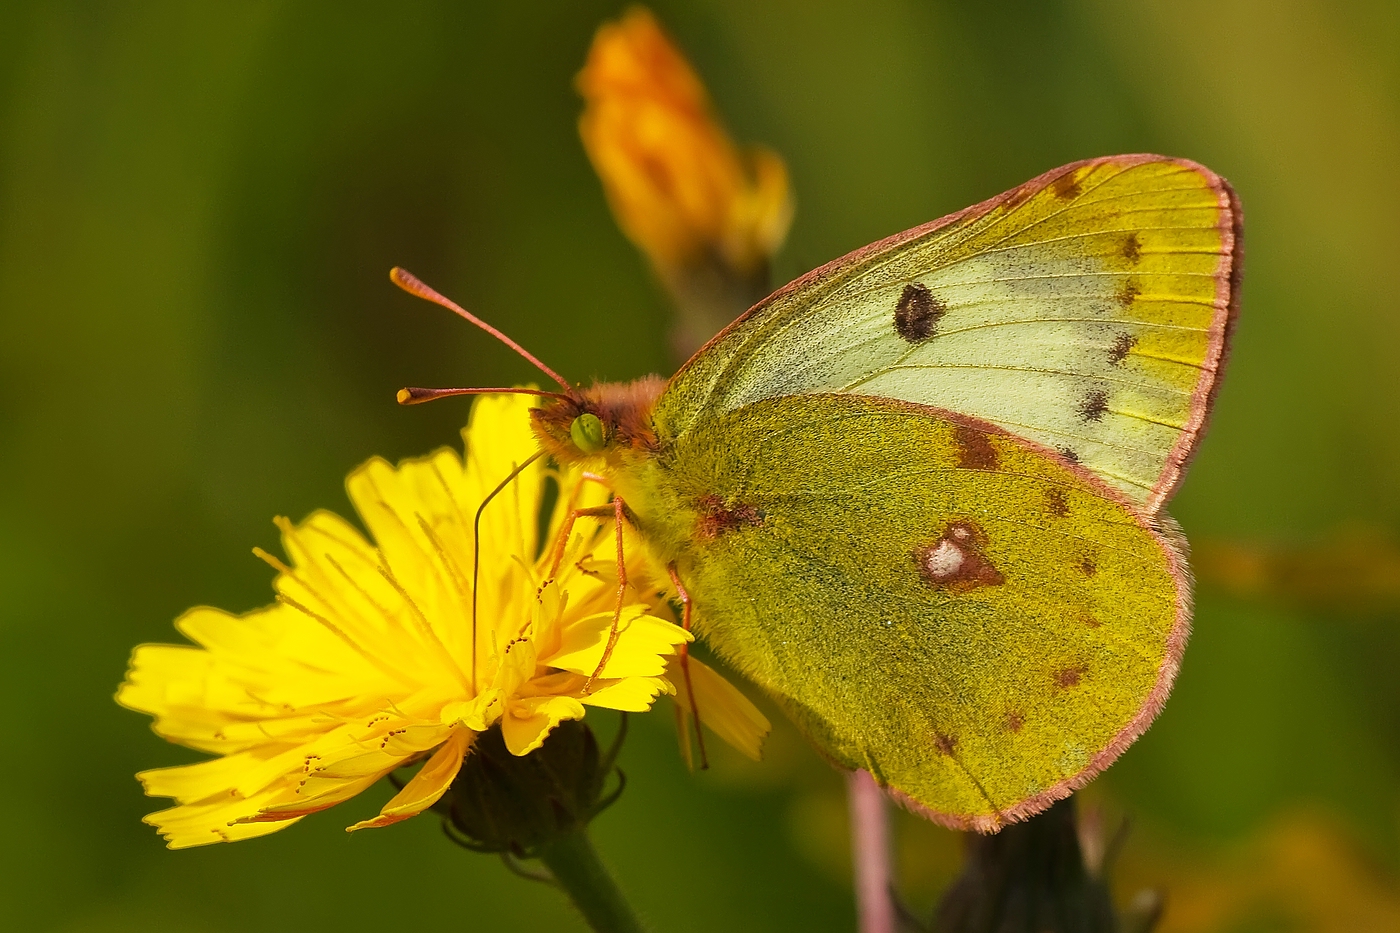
{"x": 979, "y": 624}
{"x": 1087, "y": 310}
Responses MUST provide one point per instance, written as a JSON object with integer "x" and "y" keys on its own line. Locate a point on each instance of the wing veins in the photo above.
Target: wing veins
{"x": 1138, "y": 194}
{"x": 1148, "y": 419}
{"x": 1077, "y": 202}
{"x": 1000, "y": 299}
{"x": 1094, "y": 233}
{"x": 1091, "y": 440}
{"x": 1065, "y": 320}
{"x": 1082, "y": 275}
{"x": 1006, "y": 368}
{"x": 1181, "y": 252}
{"x": 1167, "y": 359}
{"x": 1005, "y": 423}
{"x": 1007, "y": 299}
{"x": 979, "y": 224}
{"x": 900, "y": 361}
{"x": 1050, "y": 216}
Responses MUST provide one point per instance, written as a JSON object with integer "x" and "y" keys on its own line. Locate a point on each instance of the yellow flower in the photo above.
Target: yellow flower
{"x": 678, "y": 186}
{"x": 368, "y": 661}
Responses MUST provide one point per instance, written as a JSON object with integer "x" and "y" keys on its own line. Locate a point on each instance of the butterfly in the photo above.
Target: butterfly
{"x": 917, "y": 494}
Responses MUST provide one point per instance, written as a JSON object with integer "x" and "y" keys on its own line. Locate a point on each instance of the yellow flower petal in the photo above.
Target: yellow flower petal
{"x": 430, "y": 783}
{"x": 424, "y": 539}
{"x": 528, "y": 722}
{"x": 291, "y": 803}
{"x": 515, "y": 664}
{"x": 498, "y": 439}
{"x": 644, "y": 643}
{"x": 339, "y": 582}
{"x": 478, "y": 713}
{"x": 723, "y": 709}
{"x": 204, "y": 779}
{"x": 631, "y": 695}
{"x": 209, "y": 822}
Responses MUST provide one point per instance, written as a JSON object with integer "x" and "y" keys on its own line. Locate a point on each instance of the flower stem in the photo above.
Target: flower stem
{"x": 870, "y": 850}
{"x": 583, "y": 876}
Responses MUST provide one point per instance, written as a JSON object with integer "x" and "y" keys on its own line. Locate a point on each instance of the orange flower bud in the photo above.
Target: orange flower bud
{"x": 679, "y": 187}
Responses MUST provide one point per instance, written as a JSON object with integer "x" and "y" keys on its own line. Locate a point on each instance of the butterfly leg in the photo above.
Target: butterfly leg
{"x": 619, "y": 516}
{"x": 598, "y": 511}
{"x": 686, "y": 608}
{"x": 575, "y": 513}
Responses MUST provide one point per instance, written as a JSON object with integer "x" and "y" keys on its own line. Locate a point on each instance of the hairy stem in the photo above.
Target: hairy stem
{"x": 577, "y": 868}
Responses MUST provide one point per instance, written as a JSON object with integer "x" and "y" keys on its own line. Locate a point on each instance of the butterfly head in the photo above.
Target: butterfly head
{"x": 600, "y": 422}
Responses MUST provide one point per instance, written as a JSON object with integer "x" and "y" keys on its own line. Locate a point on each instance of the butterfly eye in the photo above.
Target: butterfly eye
{"x": 587, "y": 432}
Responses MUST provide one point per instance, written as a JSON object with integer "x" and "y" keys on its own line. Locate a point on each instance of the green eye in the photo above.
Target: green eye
{"x": 587, "y": 432}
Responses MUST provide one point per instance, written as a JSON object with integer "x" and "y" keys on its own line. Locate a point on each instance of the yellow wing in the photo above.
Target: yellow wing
{"x": 979, "y": 624}
{"x": 1088, "y": 310}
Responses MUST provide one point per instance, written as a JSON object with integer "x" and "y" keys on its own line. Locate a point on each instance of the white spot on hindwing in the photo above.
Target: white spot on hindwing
{"x": 944, "y": 561}
{"x": 956, "y": 561}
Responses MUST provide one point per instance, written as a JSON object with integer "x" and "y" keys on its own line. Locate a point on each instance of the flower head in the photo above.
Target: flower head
{"x": 370, "y": 659}
{"x": 678, "y": 186}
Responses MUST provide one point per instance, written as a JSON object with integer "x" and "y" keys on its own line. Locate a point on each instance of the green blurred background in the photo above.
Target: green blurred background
{"x": 199, "y": 203}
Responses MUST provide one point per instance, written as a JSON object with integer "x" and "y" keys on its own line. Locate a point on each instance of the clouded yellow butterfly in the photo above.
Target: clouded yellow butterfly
{"x": 916, "y": 495}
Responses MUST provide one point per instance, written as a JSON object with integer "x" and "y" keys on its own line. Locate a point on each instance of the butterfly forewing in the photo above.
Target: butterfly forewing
{"x": 1087, "y": 310}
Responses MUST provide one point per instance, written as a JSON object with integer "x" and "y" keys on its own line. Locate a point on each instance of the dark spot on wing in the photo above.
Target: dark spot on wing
{"x": 975, "y": 450}
{"x": 1014, "y": 722}
{"x": 917, "y": 312}
{"x": 1132, "y": 248}
{"x": 955, "y": 562}
{"x": 1094, "y": 406}
{"x": 1121, "y": 348}
{"x": 1089, "y": 619}
{"x": 1128, "y": 293}
{"x": 1055, "y": 502}
{"x": 718, "y": 517}
{"x": 1067, "y": 186}
{"x": 945, "y": 743}
{"x": 1069, "y": 677}
{"x": 1069, "y": 454}
{"x": 1088, "y": 566}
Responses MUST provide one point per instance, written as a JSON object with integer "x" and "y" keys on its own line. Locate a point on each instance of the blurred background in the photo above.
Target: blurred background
{"x": 199, "y": 204}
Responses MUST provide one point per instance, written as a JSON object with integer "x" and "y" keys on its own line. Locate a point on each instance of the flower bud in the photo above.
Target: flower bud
{"x": 519, "y": 803}
{"x": 708, "y": 216}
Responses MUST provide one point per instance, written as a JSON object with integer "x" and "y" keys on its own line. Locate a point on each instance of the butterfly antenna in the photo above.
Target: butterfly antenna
{"x": 416, "y": 287}
{"x": 476, "y": 544}
{"x": 415, "y": 395}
